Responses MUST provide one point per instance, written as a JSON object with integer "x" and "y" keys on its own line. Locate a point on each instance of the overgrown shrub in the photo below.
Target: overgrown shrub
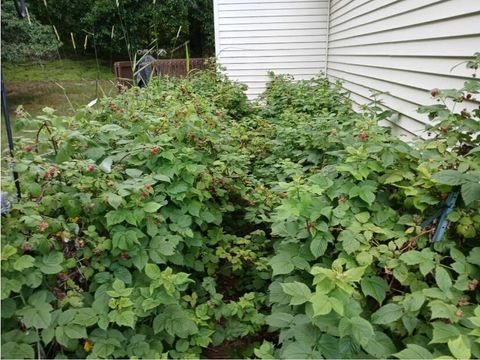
{"x": 23, "y": 40}
{"x": 179, "y": 220}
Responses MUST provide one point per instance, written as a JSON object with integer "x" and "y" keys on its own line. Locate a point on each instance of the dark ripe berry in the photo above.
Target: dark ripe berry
{"x": 435, "y": 92}
{"x": 124, "y": 255}
{"x": 363, "y": 136}
{"x": 468, "y": 97}
{"x": 28, "y": 148}
{"x": 154, "y": 150}
{"x": 90, "y": 168}
{"x": 26, "y": 247}
{"x": 59, "y": 294}
{"x": 473, "y": 284}
{"x": 62, "y": 277}
{"x": 42, "y": 226}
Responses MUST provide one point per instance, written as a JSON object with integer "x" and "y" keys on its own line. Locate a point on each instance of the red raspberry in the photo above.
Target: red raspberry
{"x": 363, "y": 136}
{"x": 154, "y": 150}
{"x": 90, "y": 168}
{"x": 435, "y": 92}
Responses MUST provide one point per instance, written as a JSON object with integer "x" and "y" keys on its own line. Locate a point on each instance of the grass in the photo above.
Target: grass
{"x": 37, "y": 85}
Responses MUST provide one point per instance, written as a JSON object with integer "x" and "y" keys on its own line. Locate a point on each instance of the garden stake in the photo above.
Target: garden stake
{"x": 441, "y": 217}
{"x": 8, "y": 127}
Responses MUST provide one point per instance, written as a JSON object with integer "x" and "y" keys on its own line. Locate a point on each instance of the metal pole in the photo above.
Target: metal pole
{"x": 8, "y": 128}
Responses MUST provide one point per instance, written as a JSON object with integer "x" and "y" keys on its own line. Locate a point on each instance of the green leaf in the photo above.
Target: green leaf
{"x": 134, "y": 173}
{"x": 15, "y": 350}
{"x": 460, "y": 347}
{"x": 151, "y": 207}
{"x": 281, "y": 264}
{"x": 299, "y": 292}
{"x": 75, "y": 331}
{"x": 363, "y": 217}
{"x": 350, "y": 245}
{"x": 50, "y": 263}
{"x": 153, "y": 271}
{"x": 85, "y": 317}
{"x": 442, "y": 332}
{"x": 443, "y": 279}
{"x": 470, "y": 192}
{"x": 387, "y": 314}
{"x": 37, "y": 316}
{"x": 23, "y": 262}
{"x": 279, "y": 319}
{"x": 321, "y": 304}
{"x": 375, "y": 287}
{"x": 474, "y": 256}
{"x": 367, "y": 195}
{"x": 296, "y": 350}
{"x": 318, "y": 246}
{"x": 361, "y": 330}
{"x": 441, "y": 310}
{"x": 381, "y": 346}
{"x": 114, "y": 200}
{"x": 414, "y": 301}
{"x": 412, "y": 257}
{"x": 414, "y": 352}
{"x": 123, "y": 318}
{"x": 449, "y": 177}
{"x": 115, "y": 217}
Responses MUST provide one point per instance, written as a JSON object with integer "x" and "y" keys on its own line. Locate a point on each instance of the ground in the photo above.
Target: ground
{"x": 61, "y": 84}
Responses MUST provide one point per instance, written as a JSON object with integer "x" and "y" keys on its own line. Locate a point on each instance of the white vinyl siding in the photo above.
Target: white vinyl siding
{"x": 253, "y": 37}
{"x": 405, "y": 48}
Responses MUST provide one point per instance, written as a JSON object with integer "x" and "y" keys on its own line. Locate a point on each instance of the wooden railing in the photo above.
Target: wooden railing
{"x": 170, "y": 67}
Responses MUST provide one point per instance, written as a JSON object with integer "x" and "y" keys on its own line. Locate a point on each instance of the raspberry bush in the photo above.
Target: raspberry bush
{"x": 182, "y": 221}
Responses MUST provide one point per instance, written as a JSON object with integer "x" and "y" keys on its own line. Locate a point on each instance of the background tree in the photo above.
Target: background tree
{"x": 116, "y": 32}
{"x": 24, "y": 40}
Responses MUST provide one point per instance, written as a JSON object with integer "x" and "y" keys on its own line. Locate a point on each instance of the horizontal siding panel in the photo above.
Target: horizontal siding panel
{"x": 273, "y": 20}
{"x": 429, "y": 65}
{"x": 450, "y": 47}
{"x": 263, "y": 72}
{"x": 337, "y": 5}
{"x": 270, "y": 13}
{"x": 375, "y": 10}
{"x": 290, "y": 26}
{"x": 292, "y": 5}
{"x": 405, "y": 48}
{"x": 281, "y": 46}
{"x": 272, "y": 33}
{"x": 275, "y": 40}
{"x": 275, "y": 59}
{"x": 405, "y": 78}
{"x": 254, "y": 37}
{"x": 426, "y": 29}
{"x": 469, "y": 25}
{"x": 272, "y": 53}
{"x": 278, "y": 65}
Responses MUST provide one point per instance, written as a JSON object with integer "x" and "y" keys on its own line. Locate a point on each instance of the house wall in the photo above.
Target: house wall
{"x": 404, "y": 47}
{"x": 253, "y": 37}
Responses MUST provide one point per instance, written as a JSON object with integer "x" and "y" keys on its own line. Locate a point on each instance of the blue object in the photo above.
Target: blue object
{"x": 441, "y": 217}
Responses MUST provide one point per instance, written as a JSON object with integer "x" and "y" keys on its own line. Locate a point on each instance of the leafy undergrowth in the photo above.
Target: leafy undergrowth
{"x": 182, "y": 221}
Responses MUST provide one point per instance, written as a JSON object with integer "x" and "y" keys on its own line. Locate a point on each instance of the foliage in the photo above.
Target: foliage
{"x": 179, "y": 218}
{"x": 119, "y": 28}
{"x": 23, "y": 40}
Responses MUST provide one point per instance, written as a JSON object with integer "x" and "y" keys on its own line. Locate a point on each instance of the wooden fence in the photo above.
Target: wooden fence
{"x": 170, "y": 67}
